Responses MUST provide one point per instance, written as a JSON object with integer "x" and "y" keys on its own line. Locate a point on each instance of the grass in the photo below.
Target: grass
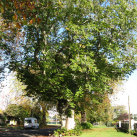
{"x": 103, "y": 131}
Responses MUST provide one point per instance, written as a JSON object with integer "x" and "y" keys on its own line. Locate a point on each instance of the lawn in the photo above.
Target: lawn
{"x": 103, "y": 131}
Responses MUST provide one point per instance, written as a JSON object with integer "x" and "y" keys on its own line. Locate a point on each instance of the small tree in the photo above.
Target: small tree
{"x": 124, "y": 116}
{"x": 17, "y": 112}
{"x": 118, "y": 110}
{"x": 100, "y": 111}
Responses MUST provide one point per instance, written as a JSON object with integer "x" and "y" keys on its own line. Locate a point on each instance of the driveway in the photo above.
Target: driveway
{"x": 29, "y": 133}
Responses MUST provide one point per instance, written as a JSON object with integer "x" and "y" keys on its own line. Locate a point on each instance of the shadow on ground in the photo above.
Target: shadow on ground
{"x": 29, "y": 133}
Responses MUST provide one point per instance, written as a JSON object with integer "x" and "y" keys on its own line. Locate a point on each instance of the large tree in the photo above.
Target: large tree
{"x": 67, "y": 50}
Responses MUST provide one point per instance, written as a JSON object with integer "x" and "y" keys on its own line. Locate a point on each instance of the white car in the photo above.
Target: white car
{"x": 31, "y": 123}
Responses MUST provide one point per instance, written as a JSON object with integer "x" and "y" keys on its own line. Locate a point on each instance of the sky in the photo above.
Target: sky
{"x": 129, "y": 88}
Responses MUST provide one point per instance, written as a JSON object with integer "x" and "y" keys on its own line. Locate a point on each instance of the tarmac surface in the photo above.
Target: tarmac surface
{"x": 45, "y": 132}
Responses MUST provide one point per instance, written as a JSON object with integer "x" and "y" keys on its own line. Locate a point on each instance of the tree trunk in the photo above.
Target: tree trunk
{"x": 44, "y": 116}
{"x": 83, "y": 117}
{"x": 63, "y": 120}
{"x": 70, "y": 122}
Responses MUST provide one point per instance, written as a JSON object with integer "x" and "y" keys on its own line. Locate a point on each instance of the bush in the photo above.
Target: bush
{"x": 71, "y": 132}
{"x": 131, "y": 132}
{"x": 86, "y": 125}
{"x": 78, "y": 129}
{"x": 56, "y": 133}
{"x": 114, "y": 123}
{"x": 64, "y": 132}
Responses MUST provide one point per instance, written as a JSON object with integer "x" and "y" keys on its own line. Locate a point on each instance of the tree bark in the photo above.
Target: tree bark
{"x": 70, "y": 122}
{"x": 63, "y": 120}
{"x": 83, "y": 117}
{"x": 44, "y": 116}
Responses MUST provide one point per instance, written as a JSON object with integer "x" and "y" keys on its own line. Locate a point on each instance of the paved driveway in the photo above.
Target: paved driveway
{"x": 29, "y": 133}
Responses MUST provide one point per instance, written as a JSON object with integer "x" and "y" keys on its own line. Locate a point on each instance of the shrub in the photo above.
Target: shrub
{"x": 71, "y": 132}
{"x": 63, "y": 129}
{"x": 56, "y": 133}
{"x": 64, "y": 132}
{"x": 131, "y": 132}
{"x": 86, "y": 125}
{"x": 114, "y": 123}
{"x": 78, "y": 130}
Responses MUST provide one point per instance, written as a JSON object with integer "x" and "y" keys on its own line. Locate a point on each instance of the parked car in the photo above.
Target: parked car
{"x": 31, "y": 123}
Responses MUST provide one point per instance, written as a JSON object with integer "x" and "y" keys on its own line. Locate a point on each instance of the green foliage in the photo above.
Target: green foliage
{"x": 135, "y": 117}
{"x": 16, "y": 111}
{"x": 78, "y": 129}
{"x": 64, "y": 132}
{"x": 71, "y": 132}
{"x": 120, "y": 112}
{"x": 67, "y": 56}
{"x": 113, "y": 122}
{"x": 100, "y": 111}
{"x": 86, "y": 125}
{"x": 56, "y": 133}
{"x": 3, "y": 118}
{"x": 132, "y": 132}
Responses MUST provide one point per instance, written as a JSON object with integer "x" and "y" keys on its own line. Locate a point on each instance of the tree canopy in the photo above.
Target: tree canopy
{"x": 119, "y": 111}
{"x": 68, "y": 50}
{"x": 124, "y": 116}
{"x": 17, "y": 111}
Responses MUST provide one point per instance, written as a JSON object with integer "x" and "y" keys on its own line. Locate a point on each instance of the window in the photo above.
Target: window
{"x": 27, "y": 121}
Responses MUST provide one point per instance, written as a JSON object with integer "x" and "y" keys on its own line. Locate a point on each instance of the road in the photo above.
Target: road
{"x": 29, "y": 133}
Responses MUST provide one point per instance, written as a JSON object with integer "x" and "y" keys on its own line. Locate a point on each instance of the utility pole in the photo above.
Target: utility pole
{"x": 129, "y": 114}
{"x": 33, "y": 106}
{"x": 56, "y": 119}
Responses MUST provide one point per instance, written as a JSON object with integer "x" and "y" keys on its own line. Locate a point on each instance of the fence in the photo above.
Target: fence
{"x": 54, "y": 123}
{"x": 125, "y": 125}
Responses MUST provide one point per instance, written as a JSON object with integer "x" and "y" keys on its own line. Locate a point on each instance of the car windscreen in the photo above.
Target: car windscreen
{"x": 27, "y": 121}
